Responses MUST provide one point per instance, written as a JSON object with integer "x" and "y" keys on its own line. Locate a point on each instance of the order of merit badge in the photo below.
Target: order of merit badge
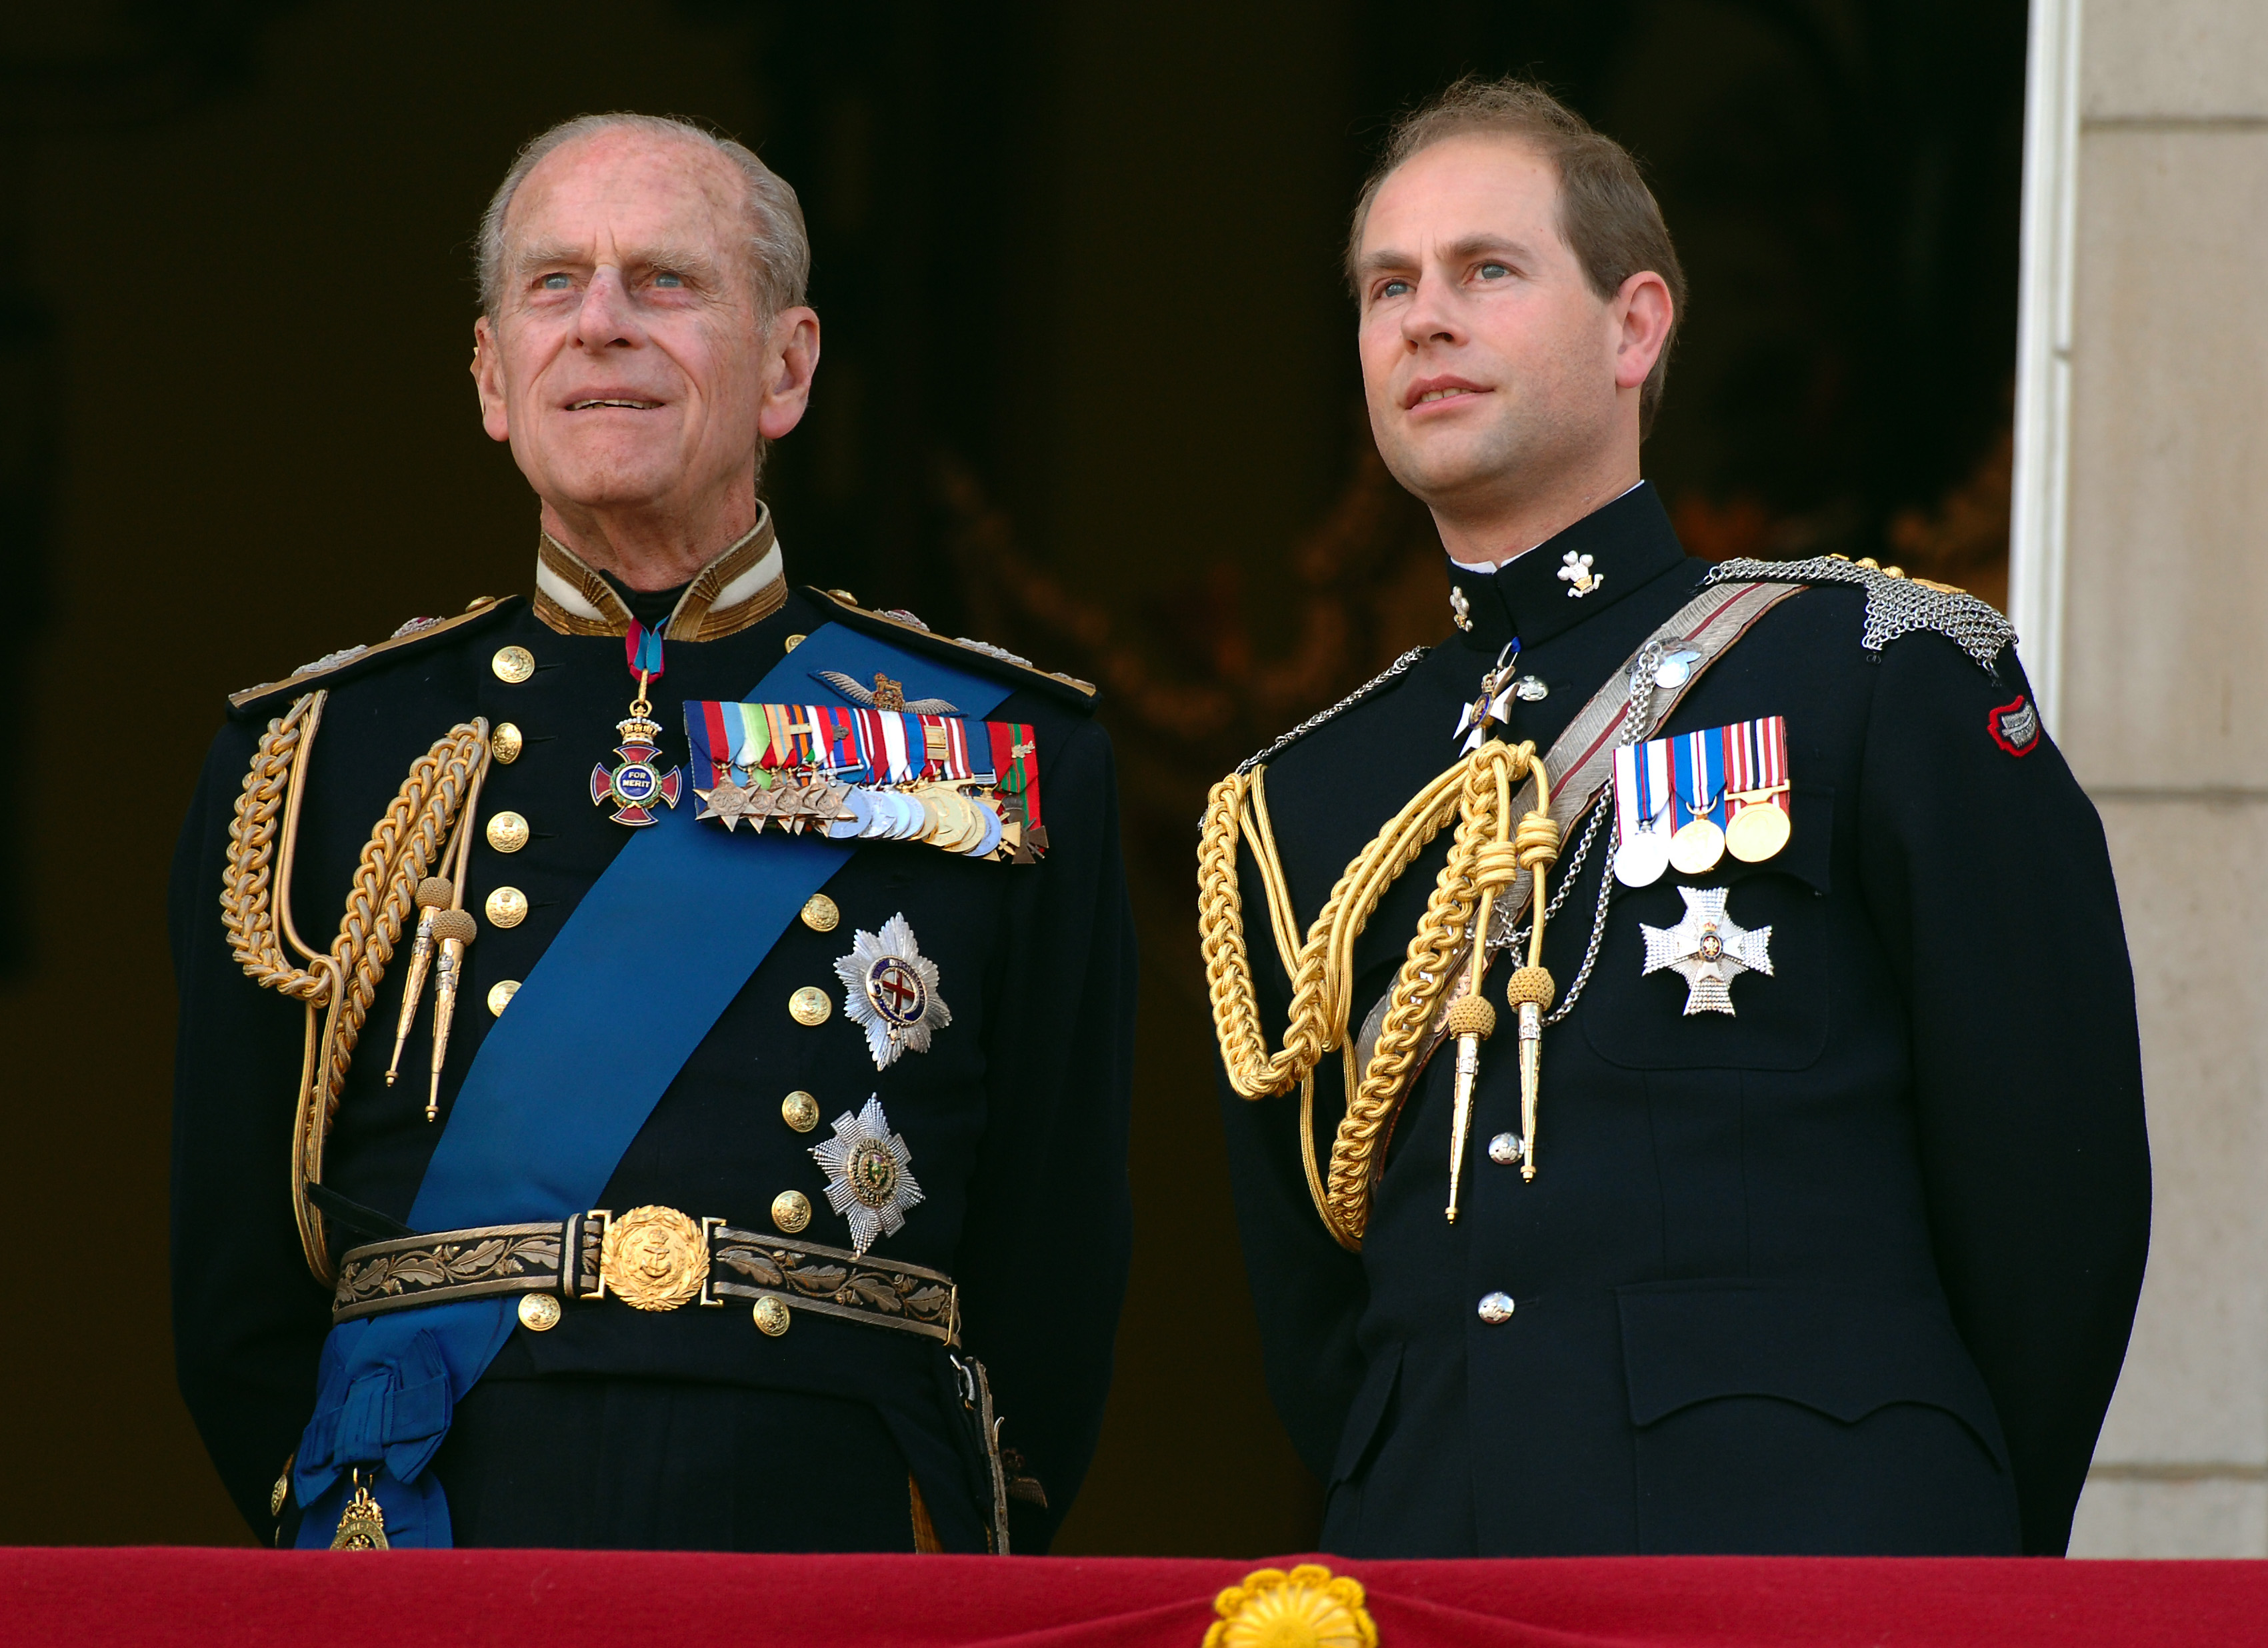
{"x": 638, "y": 784}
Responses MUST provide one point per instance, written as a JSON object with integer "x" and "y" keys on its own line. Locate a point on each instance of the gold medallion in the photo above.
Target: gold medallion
{"x": 362, "y": 1527}
{"x": 820, "y": 914}
{"x": 1757, "y": 831}
{"x": 810, "y": 1005}
{"x": 790, "y": 1211}
{"x": 800, "y": 1111}
{"x": 1310, "y": 1605}
{"x": 507, "y": 832}
{"x": 506, "y": 907}
{"x": 653, "y": 1258}
{"x": 772, "y": 1318}
{"x": 505, "y": 743}
{"x": 793, "y": 642}
{"x": 512, "y": 665}
{"x": 1696, "y": 847}
{"x": 538, "y": 1312}
{"x": 500, "y": 995}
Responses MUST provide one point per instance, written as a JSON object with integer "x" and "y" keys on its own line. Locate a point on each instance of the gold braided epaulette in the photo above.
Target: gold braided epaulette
{"x": 901, "y": 625}
{"x": 416, "y": 630}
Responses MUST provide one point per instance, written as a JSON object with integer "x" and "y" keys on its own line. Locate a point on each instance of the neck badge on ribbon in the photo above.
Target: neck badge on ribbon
{"x": 636, "y": 786}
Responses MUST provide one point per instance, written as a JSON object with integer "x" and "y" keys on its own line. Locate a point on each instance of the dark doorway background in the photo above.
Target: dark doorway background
{"x": 1088, "y": 391}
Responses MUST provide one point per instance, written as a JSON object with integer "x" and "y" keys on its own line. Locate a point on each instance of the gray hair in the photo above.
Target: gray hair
{"x": 779, "y": 247}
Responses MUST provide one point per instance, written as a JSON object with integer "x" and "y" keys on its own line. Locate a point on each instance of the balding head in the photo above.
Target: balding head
{"x": 778, "y": 246}
{"x": 641, "y": 340}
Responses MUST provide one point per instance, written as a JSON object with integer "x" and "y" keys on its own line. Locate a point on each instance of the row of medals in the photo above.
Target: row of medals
{"x": 1757, "y": 831}
{"x": 935, "y": 814}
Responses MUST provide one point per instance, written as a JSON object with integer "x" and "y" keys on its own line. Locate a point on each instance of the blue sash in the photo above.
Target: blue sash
{"x": 562, "y": 1083}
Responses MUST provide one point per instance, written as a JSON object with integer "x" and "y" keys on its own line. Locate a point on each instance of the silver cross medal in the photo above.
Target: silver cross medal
{"x": 1710, "y": 948}
{"x": 1492, "y": 706}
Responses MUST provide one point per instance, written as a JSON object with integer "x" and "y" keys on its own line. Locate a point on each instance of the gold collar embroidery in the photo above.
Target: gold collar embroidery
{"x": 743, "y": 586}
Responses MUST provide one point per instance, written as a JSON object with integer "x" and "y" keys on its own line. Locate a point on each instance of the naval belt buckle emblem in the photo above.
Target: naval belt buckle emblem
{"x": 653, "y": 1258}
{"x": 1709, "y": 948}
{"x": 636, "y": 786}
{"x": 869, "y": 1179}
{"x": 890, "y": 990}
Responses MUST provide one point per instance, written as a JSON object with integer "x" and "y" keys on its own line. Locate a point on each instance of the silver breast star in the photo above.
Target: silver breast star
{"x": 870, "y": 1179}
{"x": 1710, "y": 948}
{"x": 890, "y": 992}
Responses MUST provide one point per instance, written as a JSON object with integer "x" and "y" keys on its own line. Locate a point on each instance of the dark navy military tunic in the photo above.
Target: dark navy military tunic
{"x": 1850, "y": 1270}
{"x": 687, "y": 1429}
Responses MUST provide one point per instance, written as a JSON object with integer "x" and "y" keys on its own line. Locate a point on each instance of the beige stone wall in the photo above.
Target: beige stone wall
{"x": 2157, "y": 700}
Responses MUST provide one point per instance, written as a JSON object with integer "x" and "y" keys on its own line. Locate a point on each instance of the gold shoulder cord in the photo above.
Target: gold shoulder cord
{"x": 1487, "y": 852}
{"x": 338, "y": 985}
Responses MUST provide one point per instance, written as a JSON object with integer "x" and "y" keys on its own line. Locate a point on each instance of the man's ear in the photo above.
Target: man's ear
{"x": 488, "y": 379}
{"x": 791, "y": 361}
{"x": 1642, "y": 312}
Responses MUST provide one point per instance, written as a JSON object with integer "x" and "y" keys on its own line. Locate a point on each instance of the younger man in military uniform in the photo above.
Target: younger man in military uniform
{"x": 1789, "y": 1192}
{"x": 712, "y": 1100}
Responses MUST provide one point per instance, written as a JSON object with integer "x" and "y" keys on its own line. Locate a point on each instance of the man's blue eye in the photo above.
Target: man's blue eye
{"x": 1394, "y": 289}
{"x": 1493, "y": 271}
{"x": 557, "y": 283}
{"x": 666, "y": 279}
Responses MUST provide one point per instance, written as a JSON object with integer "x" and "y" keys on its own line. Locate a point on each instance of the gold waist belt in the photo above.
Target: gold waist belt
{"x": 649, "y": 1258}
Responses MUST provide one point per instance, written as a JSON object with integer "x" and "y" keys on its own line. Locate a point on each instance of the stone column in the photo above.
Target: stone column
{"x": 2157, "y": 624}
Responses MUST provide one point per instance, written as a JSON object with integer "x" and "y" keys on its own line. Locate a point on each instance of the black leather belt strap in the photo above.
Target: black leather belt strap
{"x": 567, "y": 1259}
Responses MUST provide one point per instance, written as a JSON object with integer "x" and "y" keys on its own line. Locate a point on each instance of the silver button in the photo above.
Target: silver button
{"x": 1527, "y": 689}
{"x": 1504, "y": 1148}
{"x": 1496, "y": 1307}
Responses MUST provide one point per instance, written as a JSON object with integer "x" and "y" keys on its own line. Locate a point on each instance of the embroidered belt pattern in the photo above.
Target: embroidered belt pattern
{"x": 836, "y": 1282}
{"x": 443, "y": 1266}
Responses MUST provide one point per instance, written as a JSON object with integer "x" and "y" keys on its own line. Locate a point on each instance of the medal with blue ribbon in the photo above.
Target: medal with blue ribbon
{"x": 636, "y": 786}
{"x": 1698, "y": 760}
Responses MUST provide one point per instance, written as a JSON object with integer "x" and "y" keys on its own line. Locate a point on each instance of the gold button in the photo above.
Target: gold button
{"x": 800, "y": 1111}
{"x": 500, "y": 995}
{"x": 479, "y": 601}
{"x": 820, "y": 914}
{"x": 795, "y": 641}
{"x": 810, "y": 1005}
{"x": 512, "y": 665}
{"x": 789, "y": 1211}
{"x": 507, "y": 832}
{"x": 772, "y": 1318}
{"x": 504, "y": 743}
{"x": 538, "y": 1312}
{"x": 507, "y": 907}
{"x": 844, "y": 596}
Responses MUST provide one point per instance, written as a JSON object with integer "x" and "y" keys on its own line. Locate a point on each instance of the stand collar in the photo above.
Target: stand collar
{"x": 1630, "y": 542}
{"x": 743, "y": 586}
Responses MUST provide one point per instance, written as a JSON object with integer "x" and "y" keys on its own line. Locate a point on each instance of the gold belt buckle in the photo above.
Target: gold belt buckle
{"x": 653, "y": 1258}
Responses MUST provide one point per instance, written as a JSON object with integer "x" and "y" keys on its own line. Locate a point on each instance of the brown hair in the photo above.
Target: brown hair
{"x": 1607, "y": 213}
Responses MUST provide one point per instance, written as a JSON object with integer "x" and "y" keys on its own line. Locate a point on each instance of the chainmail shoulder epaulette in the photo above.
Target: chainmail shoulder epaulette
{"x": 1369, "y": 688}
{"x": 1895, "y": 605}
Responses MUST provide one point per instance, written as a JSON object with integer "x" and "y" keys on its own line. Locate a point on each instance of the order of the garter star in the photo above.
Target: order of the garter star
{"x": 890, "y": 991}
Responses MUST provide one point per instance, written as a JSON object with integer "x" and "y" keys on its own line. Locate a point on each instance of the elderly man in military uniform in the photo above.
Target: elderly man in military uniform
{"x": 1684, "y": 1092}
{"x": 695, "y": 1011}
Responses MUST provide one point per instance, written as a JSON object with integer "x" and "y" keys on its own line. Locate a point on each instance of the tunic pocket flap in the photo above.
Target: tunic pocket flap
{"x": 1842, "y": 1351}
{"x": 1362, "y": 1418}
